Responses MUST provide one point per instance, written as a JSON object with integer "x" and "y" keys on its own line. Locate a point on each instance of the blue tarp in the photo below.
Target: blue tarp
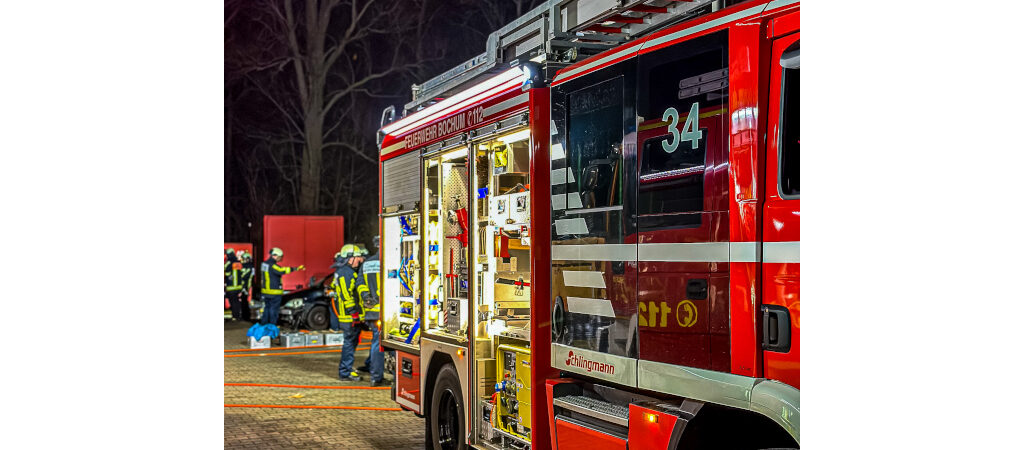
{"x": 257, "y": 331}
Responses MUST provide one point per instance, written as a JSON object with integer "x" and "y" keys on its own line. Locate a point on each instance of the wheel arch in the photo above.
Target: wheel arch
{"x": 713, "y": 421}
{"x": 437, "y": 361}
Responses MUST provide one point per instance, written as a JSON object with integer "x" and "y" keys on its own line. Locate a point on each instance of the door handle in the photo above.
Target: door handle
{"x": 697, "y": 289}
{"x": 775, "y": 328}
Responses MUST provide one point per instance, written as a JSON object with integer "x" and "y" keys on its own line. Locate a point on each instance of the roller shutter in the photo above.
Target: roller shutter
{"x": 402, "y": 182}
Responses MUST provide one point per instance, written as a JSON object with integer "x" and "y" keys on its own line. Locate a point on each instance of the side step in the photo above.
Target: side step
{"x": 598, "y": 409}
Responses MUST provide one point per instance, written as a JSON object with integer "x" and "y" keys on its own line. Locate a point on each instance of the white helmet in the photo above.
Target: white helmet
{"x": 276, "y": 252}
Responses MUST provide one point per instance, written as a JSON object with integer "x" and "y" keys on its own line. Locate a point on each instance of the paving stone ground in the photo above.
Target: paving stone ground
{"x": 307, "y": 428}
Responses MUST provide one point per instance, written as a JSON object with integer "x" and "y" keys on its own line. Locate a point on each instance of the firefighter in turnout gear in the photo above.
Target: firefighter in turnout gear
{"x": 248, "y": 271}
{"x": 229, "y": 254}
{"x": 348, "y": 307}
{"x": 233, "y": 284}
{"x": 336, "y": 311}
{"x": 368, "y": 288}
{"x": 272, "y": 288}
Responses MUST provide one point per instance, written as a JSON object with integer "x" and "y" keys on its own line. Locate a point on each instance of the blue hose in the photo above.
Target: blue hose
{"x": 406, "y": 272}
{"x": 413, "y": 331}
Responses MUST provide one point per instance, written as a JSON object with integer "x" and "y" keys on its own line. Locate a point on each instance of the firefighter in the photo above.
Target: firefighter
{"x": 348, "y": 307}
{"x": 368, "y": 287}
{"x": 339, "y": 262}
{"x": 233, "y": 285}
{"x": 272, "y": 287}
{"x": 229, "y": 253}
{"x": 247, "y": 275}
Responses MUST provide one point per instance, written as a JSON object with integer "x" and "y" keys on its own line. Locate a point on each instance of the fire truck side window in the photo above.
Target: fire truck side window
{"x": 789, "y": 128}
{"x": 682, "y": 102}
{"x": 595, "y": 141}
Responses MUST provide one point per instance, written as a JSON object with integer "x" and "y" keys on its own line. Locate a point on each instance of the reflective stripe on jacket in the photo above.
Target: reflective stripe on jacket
{"x": 369, "y": 284}
{"x": 247, "y": 275}
{"x": 347, "y": 298}
{"x": 272, "y": 274}
{"x": 233, "y": 276}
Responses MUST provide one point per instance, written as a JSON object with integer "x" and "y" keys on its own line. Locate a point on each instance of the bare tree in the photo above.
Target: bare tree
{"x": 324, "y": 41}
{"x": 305, "y": 81}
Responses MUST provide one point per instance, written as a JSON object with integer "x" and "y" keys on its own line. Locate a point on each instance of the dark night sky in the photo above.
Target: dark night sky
{"x": 411, "y": 40}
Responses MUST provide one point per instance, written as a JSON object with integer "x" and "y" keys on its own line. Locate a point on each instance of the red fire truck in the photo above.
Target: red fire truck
{"x": 590, "y": 232}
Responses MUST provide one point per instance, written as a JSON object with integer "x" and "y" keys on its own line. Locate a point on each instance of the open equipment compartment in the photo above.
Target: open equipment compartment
{"x": 501, "y": 349}
{"x": 447, "y": 246}
{"x": 401, "y": 290}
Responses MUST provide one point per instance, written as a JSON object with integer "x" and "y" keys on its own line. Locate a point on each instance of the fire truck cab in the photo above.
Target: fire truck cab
{"x": 590, "y": 232}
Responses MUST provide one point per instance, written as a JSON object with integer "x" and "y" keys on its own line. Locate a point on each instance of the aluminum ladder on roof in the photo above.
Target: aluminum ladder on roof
{"x": 557, "y": 33}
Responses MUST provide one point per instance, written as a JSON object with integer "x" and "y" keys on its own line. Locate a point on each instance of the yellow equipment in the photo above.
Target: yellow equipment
{"x": 512, "y": 407}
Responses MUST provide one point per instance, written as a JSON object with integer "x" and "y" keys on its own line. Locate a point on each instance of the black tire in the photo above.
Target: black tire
{"x": 317, "y": 318}
{"x": 389, "y": 363}
{"x": 447, "y": 411}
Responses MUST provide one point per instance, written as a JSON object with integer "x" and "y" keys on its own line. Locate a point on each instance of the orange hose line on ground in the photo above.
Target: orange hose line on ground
{"x": 291, "y": 353}
{"x": 368, "y": 408}
{"x": 277, "y": 348}
{"x": 299, "y": 386}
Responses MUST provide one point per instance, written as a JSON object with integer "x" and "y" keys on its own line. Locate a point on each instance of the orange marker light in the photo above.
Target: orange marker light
{"x": 652, "y": 418}
{"x": 460, "y": 352}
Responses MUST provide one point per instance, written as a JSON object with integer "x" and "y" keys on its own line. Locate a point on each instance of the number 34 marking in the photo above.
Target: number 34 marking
{"x": 689, "y": 133}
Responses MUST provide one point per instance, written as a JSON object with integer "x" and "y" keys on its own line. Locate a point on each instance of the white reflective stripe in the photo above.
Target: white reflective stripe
{"x": 400, "y": 145}
{"x": 557, "y": 202}
{"x": 571, "y": 226}
{"x": 704, "y": 26}
{"x": 584, "y": 278}
{"x": 494, "y": 109}
{"x": 595, "y": 210}
{"x": 594, "y": 252}
{"x": 744, "y": 251}
{"x": 408, "y": 404}
{"x": 554, "y": 128}
{"x": 591, "y": 306}
{"x": 557, "y": 152}
{"x": 685, "y": 252}
{"x": 776, "y": 4}
{"x": 557, "y": 177}
{"x": 615, "y": 368}
{"x": 561, "y": 176}
{"x": 782, "y": 252}
{"x": 573, "y": 199}
{"x": 772, "y": 252}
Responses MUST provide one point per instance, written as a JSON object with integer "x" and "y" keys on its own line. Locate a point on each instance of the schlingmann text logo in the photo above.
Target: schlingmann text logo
{"x": 590, "y": 366}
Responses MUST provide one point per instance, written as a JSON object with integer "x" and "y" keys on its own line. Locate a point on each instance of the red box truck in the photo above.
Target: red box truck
{"x": 306, "y": 240}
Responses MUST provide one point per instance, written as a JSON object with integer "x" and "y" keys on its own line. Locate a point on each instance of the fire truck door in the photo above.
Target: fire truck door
{"x": 780, "y": 308}
{"x": 683, "y": 251}
{"x": 593, "y": 239}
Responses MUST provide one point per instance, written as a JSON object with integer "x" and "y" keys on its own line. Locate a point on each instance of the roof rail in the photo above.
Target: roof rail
{"x": 559, "y": 32}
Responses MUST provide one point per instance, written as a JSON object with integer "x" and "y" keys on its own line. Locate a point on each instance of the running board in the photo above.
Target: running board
{"x": 598, "y": 409}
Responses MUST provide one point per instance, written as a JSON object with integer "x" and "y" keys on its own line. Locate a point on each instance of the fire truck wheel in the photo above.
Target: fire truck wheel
{"x": 389, "y": 363}
{"x": 447, "y": 413}
{"x": 317, "y": 318}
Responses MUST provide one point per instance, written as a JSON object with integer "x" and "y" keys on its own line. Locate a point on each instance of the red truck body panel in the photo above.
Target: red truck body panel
{"x": 306, "y": 240}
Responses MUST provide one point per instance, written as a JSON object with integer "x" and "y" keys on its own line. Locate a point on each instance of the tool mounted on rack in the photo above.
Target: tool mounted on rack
{"x": 461, "y": 217}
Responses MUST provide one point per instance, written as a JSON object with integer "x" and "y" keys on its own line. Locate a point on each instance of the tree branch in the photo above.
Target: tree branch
{"x": 354, "y": 149}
